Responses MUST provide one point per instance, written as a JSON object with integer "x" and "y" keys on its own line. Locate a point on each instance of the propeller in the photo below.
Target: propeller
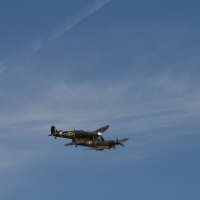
{"x": 120, "y": 142}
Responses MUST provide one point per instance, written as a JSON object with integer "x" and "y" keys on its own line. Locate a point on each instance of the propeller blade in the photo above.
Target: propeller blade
{"x": 120, "y": 142}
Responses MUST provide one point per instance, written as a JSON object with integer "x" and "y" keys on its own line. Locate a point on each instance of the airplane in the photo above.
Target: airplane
{"x": 91, "y": 139}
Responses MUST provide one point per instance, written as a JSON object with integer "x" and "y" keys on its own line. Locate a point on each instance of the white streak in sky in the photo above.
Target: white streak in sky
{"x": 56, "y": 32}
{"x": 68, "y": 24}
{"x": 72, "y": 21}
{"x": 38, "y": 44}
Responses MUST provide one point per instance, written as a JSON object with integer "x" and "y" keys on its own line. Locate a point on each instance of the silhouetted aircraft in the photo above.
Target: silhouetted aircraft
{"x": 91, "y": 139}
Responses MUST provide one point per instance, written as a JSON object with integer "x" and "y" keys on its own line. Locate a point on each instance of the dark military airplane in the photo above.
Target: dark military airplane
{"x": 91, "y": 139}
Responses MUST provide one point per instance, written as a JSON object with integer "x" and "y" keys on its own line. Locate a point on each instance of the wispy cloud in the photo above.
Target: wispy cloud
{"x": 36, "y": 45}
{"x": 144, "y": 106}
{"x": 155, "y": 102}
{"x": 139, "y": 106}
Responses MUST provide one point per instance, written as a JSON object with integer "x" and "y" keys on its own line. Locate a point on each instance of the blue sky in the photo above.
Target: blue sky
{"x": 131, "y": 64}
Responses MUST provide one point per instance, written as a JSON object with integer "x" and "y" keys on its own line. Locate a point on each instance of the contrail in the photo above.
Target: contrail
{"x": 56, "y": 32}
{"x": 72, "y": 21}
{"x": 69, "y": 23}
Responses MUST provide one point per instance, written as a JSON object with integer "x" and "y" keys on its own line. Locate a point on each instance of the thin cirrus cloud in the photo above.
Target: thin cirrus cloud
{"x": 143, "y": 109}
{"x": 138, "y": 106}
{"x": 158, "y": 102}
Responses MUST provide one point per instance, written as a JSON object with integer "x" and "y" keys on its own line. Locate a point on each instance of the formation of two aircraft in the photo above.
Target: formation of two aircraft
{"x": 91, "y": 139}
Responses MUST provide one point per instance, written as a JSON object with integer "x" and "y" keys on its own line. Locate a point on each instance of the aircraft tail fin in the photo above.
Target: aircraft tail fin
{"x": 54, "y": 131}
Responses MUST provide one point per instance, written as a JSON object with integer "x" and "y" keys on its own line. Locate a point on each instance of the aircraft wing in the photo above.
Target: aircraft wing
{"x": 75, "y": 143}
{"x": 97, "y": 148}
{"x": 123, "y": 140}
{"x": 90, "y": 148}
{"x": 71, "y": 143}
{"x": 120, "y": 142}
{"x": 102, "y": 129}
